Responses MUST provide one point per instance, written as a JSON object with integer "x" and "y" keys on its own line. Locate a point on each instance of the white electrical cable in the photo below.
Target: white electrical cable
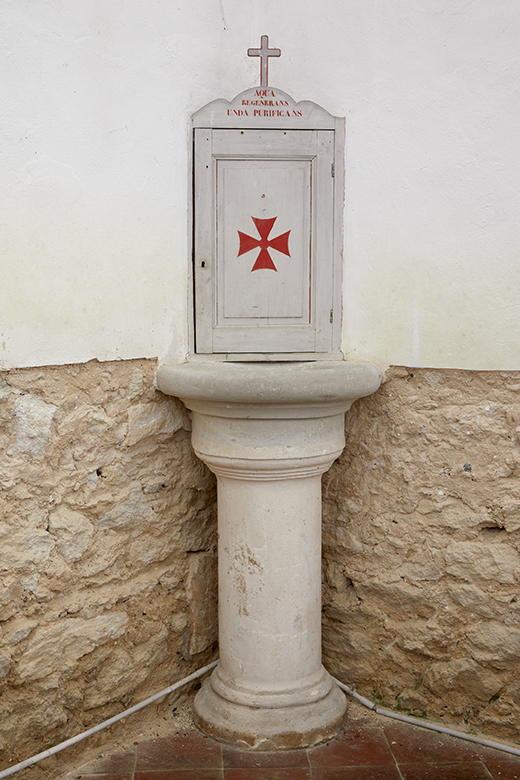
{"x": 351, "y": 692}
{"x": 425, "y": 724}
{"x": 109, "y": 722}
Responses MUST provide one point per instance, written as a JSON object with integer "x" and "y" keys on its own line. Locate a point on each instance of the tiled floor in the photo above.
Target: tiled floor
{"x": 383, "y": 750}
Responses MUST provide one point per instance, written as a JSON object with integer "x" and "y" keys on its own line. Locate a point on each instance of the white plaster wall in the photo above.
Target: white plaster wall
{"x": 96, "y": 99}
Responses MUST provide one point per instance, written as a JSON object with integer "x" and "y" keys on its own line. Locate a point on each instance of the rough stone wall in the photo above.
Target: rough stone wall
{"x": 422, "y": 548}
{"x": 107, "y": 549}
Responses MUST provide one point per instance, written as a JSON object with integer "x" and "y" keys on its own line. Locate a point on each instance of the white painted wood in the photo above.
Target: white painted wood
{"x": 339, "y": 204}
{"x": 264, "y": 142}
{"x": 263, "y": 189}
{"x": 204, "y": 241}
{"x": 264, "y": 107}
{"x": 282, "y": 303}
{"x": 264, "y": 357}
{"x": 323, "y": 241}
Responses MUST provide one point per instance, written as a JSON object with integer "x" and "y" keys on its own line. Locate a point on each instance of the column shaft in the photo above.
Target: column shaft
{"x": 269, "y": 590}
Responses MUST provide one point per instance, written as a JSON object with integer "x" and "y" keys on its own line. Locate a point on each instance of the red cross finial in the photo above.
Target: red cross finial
{"x": 264, "y": 53}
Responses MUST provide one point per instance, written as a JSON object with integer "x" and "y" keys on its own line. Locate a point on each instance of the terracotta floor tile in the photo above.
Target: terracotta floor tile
{"x": 111, "y": 765}
{"x": 464, "y": 770}
{"x": 498, "y": 756}
{"x": 413, "y": 745}
{"x": 180, "y": 774}
{"x": 118, "y": 776}
{"x": 358, "y": 746}
{"x": 242, "y": 759}
{"x": 365, "y": 751}
{"x": 180, "y": 751}
{"x": 504, "y": 770}
{"x": 269, "y": 773}
{"x": 356, "y": 773}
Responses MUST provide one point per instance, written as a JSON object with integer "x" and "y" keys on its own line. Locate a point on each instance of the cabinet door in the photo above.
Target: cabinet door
{"x": 263, "y": 240}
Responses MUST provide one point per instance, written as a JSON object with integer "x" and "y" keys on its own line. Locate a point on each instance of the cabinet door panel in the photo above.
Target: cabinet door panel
{"x": 263, "y": 240}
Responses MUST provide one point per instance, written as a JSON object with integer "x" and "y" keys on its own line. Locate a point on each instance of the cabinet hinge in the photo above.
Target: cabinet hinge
{"x": 332, "y": 170}
{"x": 331, "y": 315}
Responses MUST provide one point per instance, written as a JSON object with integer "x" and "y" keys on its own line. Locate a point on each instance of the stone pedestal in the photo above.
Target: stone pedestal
{"x": 269, "y": 431}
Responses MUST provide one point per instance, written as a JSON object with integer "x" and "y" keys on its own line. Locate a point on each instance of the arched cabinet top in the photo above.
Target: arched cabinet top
{"x": 266, "y": 108}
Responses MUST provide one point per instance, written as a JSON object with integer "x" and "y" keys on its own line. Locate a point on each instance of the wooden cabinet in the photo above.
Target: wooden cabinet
{"x": 266, "y": 259}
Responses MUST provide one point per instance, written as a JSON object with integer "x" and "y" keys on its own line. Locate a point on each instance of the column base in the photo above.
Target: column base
{"x": 260, "y": 728}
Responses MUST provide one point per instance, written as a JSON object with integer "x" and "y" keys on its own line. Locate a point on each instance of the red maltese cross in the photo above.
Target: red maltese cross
{"x": 264, "y": 227}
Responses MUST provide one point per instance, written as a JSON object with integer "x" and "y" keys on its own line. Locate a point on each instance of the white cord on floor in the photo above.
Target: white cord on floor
{"x": 425, "y": 724}
{"x": 109, "y": 722}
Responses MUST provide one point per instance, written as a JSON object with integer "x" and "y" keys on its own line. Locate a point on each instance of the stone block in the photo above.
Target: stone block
{"x": 463, "y": 675}
{"x": 341, "y": 605}
{"x": 397, "y": 595}
{"x": 23, "y": 720}
{"x": 427, "y": 571}
{"x": 23, "y": 546}
{"x": 133, "y": 512}
{"x": 202, "y": 592}
{"x": 154, "y": 419}
{"x": 6, "y": 390}
{"x": 178, "y": 623}
{"x": 448, "y": 514}
{"x": 413, "y": 700}
{"x": 85, "y": 419}
{"x": 5, "y": 664}
{"x": 18, "y": 629}
{"x": 118, "y": 677}
{"x": 421, "y": 637}
{"x": 472, "y": 598}
{"x": 496, "y": 644}
{"x": 336, "y": 577}
{"x": 33, "y": 418}
{"x": 73, "y": 532}
{"x": 136, "y": 385}
{"x": 199, "y": 530}
{"x": 170, "y": 580}
{"x": 511, "y": 513}
{"x": 472, "y": 561}
{"x": 58, "y": 648}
